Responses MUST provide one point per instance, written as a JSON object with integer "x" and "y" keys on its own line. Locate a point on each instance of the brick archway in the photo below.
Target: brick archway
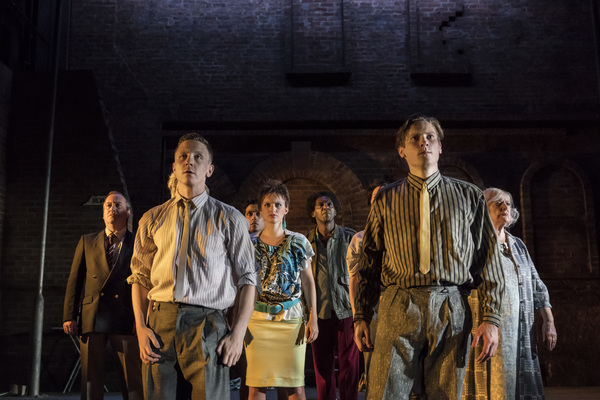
{"x": 221, "y": 187}
{"x": 459, "y": 169}
{"x": 318, "y": 168}
{"x": 558, "y": 208}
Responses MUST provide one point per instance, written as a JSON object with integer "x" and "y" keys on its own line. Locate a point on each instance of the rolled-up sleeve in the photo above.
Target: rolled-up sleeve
{"x": 144, "y": 251}
{"x": 353, "y": 255}
{"x": 241, "y": 253}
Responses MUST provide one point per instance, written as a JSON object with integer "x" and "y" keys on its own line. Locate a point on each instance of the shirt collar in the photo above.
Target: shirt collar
{"x": 336, "y": 232}
{"x": 432, "y": 180}
{"x": 198, "y": 201}
{"x": 120, "y": 233}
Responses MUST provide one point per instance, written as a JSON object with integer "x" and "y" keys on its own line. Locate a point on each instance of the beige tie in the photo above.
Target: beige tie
{"x": 425, "y": 237}
{"x": 183, "y": 253}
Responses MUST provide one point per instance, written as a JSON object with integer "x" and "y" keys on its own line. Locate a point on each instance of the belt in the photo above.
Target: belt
{"x": 433, "y": 289}
{"x": 157, "y": 305}
{"x": 275, "y": 308}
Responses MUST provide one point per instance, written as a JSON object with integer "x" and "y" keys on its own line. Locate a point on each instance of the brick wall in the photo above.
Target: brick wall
{"x": 82, "y": 166}
{"x": 513, "y": 83}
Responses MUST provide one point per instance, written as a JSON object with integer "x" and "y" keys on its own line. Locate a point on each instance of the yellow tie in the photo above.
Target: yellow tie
{"x": 425, "y": 237}
{"x": 183, "y": 254}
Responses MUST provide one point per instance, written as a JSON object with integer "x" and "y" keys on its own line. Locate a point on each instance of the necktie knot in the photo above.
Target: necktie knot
{"x": 186, "y": 203}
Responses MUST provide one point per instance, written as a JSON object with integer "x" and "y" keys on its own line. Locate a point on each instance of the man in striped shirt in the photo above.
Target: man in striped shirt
{"x": 192, "y": 255}
{"x": 429, "y": 240}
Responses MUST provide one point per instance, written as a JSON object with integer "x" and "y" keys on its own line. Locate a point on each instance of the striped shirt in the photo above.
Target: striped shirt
{"x": 464, "y": 250}
{"x": 220, "y": 249}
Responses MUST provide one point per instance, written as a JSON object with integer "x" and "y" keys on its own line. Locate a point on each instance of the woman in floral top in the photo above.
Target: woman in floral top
{"x": 282, "y": 323}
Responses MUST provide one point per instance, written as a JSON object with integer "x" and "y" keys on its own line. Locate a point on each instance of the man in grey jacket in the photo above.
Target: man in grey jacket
{"x": 330, "y": 244}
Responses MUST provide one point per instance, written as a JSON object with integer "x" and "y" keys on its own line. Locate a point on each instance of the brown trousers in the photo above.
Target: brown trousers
{"x": 93, "y": 351}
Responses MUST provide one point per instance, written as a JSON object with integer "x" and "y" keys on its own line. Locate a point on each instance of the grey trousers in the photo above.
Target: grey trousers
{"x": 189, "y": 366}
{"x": 420, "y": 330}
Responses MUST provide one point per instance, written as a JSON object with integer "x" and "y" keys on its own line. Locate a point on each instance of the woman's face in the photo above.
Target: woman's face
{"x": 500, "y": 211}
{"x": 273, "y": 208}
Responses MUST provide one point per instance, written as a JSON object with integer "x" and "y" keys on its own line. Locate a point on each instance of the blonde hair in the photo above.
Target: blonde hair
{"x": 172, "y": 184}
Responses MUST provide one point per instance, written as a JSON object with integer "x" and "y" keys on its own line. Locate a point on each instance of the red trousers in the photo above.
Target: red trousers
{"x": 336, "y": 336}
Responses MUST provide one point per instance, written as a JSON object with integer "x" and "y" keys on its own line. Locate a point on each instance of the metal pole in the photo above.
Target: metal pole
{"x": 38, "y": 319}
{"x": 596, "y": 26}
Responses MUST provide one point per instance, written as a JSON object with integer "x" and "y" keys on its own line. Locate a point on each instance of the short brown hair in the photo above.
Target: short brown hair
{"x": 276, "y": 187}
{"x": 401, "y": 133}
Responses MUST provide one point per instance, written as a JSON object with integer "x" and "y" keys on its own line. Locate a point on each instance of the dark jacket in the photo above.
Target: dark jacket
{"x": 100, "y": 298}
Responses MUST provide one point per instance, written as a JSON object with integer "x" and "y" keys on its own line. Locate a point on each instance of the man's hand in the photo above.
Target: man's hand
{"x": 489, "y": 333}
{"x": 230, "y": 349}
{"x": 312, "y": 329}
{"x": 362, "y": 336}
{"x": 146, "y": 337}
{"x": 70, "y": 327}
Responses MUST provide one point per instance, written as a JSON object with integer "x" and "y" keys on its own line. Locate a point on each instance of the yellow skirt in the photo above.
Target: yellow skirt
{"x": 273, "y": 357}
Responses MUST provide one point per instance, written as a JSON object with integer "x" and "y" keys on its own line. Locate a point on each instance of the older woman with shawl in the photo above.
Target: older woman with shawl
{"x": 514, "y": 373}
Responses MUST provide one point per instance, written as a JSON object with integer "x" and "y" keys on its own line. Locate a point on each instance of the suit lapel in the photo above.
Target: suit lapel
{"x": 125, "y": 253}
{"x": 100, "y": 257}
{"x": 122, "y": 265}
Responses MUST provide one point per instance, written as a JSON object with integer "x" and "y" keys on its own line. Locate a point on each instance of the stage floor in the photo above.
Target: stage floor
{"x": 552, "y": 393}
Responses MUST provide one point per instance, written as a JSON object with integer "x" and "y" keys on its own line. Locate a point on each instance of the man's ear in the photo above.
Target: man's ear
{"x": 210, "y": 171}
{"x": 173, "y": 167}
{"x": 440, "y": 147}
{"x": 401, "y": 151}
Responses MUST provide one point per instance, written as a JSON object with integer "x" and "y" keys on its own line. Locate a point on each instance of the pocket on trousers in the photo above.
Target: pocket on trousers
{"x": 460, "y": 323}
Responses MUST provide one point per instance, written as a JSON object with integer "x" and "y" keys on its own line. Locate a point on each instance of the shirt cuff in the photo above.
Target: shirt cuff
{"x": 362, "y": 316}
{"x": 141, "y": 280}
{"x": 545, "y": 304}
{"x": 249, "y": 280}
{"x": 493, "y": 319}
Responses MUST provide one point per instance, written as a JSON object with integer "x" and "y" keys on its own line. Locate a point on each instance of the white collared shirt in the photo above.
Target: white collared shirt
{"x": 220, "y": 249}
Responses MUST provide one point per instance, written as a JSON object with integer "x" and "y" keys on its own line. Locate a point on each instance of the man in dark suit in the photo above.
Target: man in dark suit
{"x": 98, "y": 295}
